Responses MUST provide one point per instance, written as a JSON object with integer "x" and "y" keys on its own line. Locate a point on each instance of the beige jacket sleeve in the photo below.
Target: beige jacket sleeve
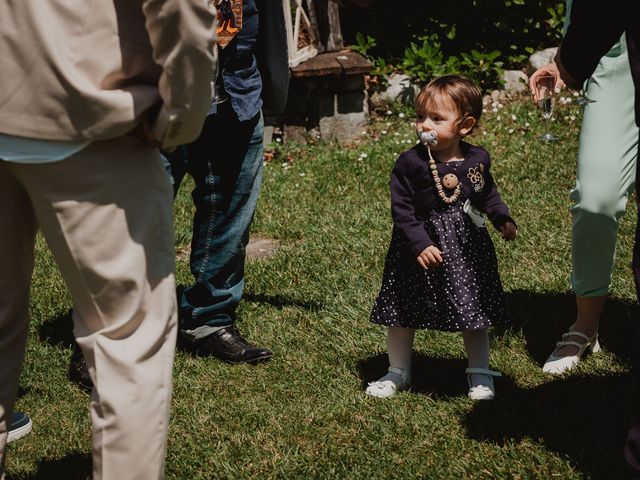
{"x": 182, "y": 34}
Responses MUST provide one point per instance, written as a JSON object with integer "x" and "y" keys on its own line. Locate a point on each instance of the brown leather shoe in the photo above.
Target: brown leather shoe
{"x": 228, "y": 345}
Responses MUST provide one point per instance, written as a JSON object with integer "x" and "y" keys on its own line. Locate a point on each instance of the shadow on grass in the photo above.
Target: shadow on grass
{"x": 439, "y": 377}
{"x": 58, "y": 331}
{"x": 277, "y": 301}
{"x": 584, "y": 418}
{"x": 75, "y": 466}
{"x": 280, "y": 302}
{"x": 543, "y": 318}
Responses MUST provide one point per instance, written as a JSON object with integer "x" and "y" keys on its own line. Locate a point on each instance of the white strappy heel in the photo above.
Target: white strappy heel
{"x": 558, "y": 365}
{"x": 482, "y": 392}
{"x": 387, "y": 388}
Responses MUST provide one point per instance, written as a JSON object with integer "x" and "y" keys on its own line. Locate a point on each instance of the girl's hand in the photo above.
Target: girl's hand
{"x": 508, "y": 231}
{"x": 430, "y": 257}
{"x": 549, "y": 69}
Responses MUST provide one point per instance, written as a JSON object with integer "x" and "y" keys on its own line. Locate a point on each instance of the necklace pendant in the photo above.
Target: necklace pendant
{"x": 450, "y": 181}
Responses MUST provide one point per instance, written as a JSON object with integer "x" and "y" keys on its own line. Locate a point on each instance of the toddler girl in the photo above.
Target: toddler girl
{"x": 441, "y": 270}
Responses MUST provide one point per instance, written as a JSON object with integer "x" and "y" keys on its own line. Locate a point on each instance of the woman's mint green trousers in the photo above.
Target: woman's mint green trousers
{"x": 607, "y": 160}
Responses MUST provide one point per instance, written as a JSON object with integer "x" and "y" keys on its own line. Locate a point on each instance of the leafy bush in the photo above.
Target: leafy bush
{"x": 381, "y": 68}
{"x": 478, "y": 38}
{"x": 425, "y": 60}
{"x": 482, "y": 67}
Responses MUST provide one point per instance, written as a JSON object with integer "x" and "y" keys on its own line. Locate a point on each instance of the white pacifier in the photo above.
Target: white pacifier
{"x": 428, "y": 138}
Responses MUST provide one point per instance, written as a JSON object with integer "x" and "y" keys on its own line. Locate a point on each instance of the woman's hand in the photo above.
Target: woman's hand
{"x": 549, "y": 69}
{"x": 508, "y": 231}
{"x": 430, "y": 257}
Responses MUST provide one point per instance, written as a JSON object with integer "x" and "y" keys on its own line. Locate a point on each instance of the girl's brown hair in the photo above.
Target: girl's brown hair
{"x": 464, "y": 94}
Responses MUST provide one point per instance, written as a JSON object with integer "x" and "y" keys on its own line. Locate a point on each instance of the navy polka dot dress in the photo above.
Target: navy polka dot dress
{"x": 463, "y": 293}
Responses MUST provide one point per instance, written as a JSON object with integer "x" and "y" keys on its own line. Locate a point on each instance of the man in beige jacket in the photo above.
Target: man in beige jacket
{"x": 89, "y": 91}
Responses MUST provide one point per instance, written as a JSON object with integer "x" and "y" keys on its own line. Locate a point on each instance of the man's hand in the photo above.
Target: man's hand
{"x": 430, "y": 257}
{"x": 144, "y": 133}
{"x": 508, "y": 231}
{"x": 549, "y": 69}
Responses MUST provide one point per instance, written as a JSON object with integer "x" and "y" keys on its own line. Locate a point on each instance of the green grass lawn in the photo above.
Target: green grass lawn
{"x": 304, "y": 414}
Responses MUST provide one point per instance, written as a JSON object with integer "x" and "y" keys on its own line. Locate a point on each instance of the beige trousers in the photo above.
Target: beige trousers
{"x": 106, "y": 214}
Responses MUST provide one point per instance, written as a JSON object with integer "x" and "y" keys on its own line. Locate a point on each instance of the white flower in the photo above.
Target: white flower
{"x": 499, "y": 117}
{"x": 363, "y": 155}
{"x": 494, "y": 109}
{"x": 575, "y": 94}
{"x": 513, "y": 117}
{"x": 511, "y": 130}
{"x": 302, "y": 174}
{"x": 389, "y": 112}
{"x": 572, "y": 117}
{"x": 526, "y": 124}
{"x": 401, "y": 115}
{"x": 383, "y": 132}
{"x": 278, "y": 140}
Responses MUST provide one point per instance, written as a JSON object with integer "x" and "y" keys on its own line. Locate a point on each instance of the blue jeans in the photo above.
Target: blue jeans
{"x": 226, "y": 165}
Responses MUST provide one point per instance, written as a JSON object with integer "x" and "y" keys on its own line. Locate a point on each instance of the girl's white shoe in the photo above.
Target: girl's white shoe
{"x": 396, "y": 380}
{"x": 559, "y": 365}
{"x": 482, "y": 392}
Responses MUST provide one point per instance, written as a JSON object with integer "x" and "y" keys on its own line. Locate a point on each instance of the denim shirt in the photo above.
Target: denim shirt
{"x": 238, "y": 74}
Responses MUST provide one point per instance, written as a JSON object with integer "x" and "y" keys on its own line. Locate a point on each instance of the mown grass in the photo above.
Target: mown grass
{"x": 304, "y": 414}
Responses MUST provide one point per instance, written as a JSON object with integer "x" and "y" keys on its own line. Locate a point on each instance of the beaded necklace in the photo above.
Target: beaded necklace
{"x": 450, "y": 181}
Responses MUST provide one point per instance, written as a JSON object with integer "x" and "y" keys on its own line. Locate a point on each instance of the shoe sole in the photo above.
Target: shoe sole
{"x": 19, "y": 432}
{"x": 406, "y": 388}
{"x": 482, "y": 399}
{"x": 557, "y": 368}
{"x": 253, "y": 361}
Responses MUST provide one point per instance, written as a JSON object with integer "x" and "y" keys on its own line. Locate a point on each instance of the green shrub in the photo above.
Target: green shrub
{"x": 478, "y": 38}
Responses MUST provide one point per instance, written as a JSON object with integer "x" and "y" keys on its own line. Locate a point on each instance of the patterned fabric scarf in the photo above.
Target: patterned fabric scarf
{"x": 229, "y": 20}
